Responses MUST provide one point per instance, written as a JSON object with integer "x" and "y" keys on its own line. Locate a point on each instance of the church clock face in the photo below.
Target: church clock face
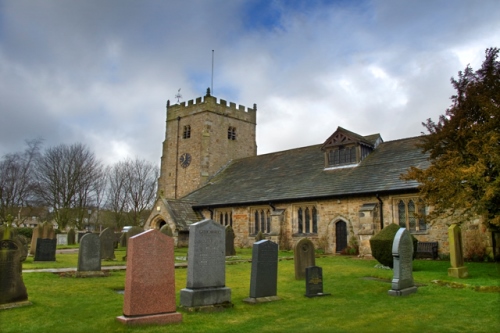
{"x": 185, "y": 160}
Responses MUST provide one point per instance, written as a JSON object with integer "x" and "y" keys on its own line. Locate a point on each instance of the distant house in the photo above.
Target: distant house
{"x": 337, "y": 193}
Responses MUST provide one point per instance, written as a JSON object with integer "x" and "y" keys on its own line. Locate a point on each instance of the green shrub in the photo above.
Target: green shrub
{"x": 381, "y": 244}
{"x": 26, "y": 232}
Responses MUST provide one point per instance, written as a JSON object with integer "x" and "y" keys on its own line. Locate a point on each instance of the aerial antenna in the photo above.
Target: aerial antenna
{"x": 178, "y": 96}
{"x": 212, "y": 85}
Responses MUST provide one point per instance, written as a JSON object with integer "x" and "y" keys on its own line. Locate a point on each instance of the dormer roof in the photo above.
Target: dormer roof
{"x": 343, "y": 137}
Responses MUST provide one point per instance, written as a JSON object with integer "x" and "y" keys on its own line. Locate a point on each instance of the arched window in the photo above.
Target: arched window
{"x": 300, "y": 220}
{"x": 411, "y": 214}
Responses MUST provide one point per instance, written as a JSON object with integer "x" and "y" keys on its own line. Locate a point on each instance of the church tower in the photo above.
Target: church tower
{"x": 201, "y": 137}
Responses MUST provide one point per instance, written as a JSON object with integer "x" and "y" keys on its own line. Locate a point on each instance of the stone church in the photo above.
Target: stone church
{"x": 337, "y": 193}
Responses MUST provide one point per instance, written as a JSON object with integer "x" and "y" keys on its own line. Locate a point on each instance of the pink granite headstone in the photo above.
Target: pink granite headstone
{"x": 150, "y": 280}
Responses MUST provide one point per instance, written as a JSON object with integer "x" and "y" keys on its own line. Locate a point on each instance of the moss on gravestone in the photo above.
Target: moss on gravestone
{"x": 381, "y": 244}
{"x": 259, "y": 236}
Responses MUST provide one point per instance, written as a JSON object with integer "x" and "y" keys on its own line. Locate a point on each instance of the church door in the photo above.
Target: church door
{"x": 340, "y": 236}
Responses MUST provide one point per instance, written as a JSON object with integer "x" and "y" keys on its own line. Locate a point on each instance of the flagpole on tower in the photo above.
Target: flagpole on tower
{"x": 212, "y": 85}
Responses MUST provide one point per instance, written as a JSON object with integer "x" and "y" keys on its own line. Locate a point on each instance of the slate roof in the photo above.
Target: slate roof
{"x": 299, "y": 174}
{"x": 182, "y": 213}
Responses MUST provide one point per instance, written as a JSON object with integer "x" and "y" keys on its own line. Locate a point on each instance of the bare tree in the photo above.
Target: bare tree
{"x": 66, "y": 178}
{"x": 16, "y": 182}
{"x": 131, "y": 191}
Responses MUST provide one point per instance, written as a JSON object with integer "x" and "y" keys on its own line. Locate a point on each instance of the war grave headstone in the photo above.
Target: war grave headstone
{"x": 62, "y": 239}
{"x": 206, "y": 273}
{"x": 89, "y": 256}
{"x": 457, "y": 268}
{"x": 402, "y": 253}
{"x": 264, "y": 275}
{"x": 149, "y": 296}
{"x": 230, "y": 251}
{"x": 107, "y": 238}
{"x": 304, "y": 256}
{"x": 71, "y": 236}
{"x": 46, "y": 243}
{"x": 13, "y": 292}
{"x": 314, "y": 282}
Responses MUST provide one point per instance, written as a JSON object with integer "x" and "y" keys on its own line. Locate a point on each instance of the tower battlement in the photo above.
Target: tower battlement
{"x": 211, "y": 104}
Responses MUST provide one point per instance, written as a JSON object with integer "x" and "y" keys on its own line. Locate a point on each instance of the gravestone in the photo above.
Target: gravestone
{"x": 230, "y": 251}
{"x": 314, "y": 282}
{"x": 167, "y": 230}
{"x": 457, "y": 268}
{"x": 34, "y": 238}
{"x": 264, "y": 276}
{"x": 12, "y": 289}
{"x": 130, "y": 233}
{"x": 206, "y": 273}
{"x": 150, "y": 280}
{"x": 45, "y": 249}
{"x": 71, "y": 236}
{"x": 402, "y": 253}
{"x": 107, "y": 238}
{"x": 62, "y": 239}
{"x": 303, "y": 256}
{"x": 89, "y": 256}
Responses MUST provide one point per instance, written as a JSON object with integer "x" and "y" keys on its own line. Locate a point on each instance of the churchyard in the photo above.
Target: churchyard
{"x": 359, "y": 300}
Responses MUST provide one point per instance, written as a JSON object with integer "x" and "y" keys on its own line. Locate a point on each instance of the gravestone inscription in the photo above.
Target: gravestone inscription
{"x": 402, "y": 253}
{"x": 304, "y": 256}
{"x": 150, "y": 280}
{"x": 264, "y": 274}
{"x": 206, "y": 272}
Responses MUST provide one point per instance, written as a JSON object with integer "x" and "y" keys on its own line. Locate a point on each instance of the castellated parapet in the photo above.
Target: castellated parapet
{"x": 210, "y": 104}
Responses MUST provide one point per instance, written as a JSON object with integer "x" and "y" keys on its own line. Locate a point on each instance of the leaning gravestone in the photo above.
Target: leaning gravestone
{"x": 230, "y": 251}
{"x": 206, "y": 273}
{"x": 264, "y": 276}
{"x": 107, "y": 238}
{"x": 314, "y": 282}
{"x": 304, "y": 256}
{"x": 12, "y": 289}
{"x": 34, "y": 238}
{"x": 71, "y": 236}
{"x": 457, "y": 268}
{"x": 89, "y": 256}
{"x": 402, "y": 253}
{"x": 150, "y": 281}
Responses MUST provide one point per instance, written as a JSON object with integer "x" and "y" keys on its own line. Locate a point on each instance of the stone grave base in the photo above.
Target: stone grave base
{"x": 205, "y": 296}
{"x": 254, "y": 300}
{"x": 317, "y": 295}
{"x": 160, "y": 319}
{"x": 458, "y": 272}
{"x": 85, "y": 274}
{"x": 12, "y": 305}
{"x": 403, "y": 292}
{"x": 209, "y": 308}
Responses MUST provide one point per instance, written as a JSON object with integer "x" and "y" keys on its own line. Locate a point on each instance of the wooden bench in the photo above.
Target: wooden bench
{"x": 427, "y": 249}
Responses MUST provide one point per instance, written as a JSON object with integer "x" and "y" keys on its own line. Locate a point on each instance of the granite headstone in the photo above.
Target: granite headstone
{"x": 314, "y": 282}
{"x": 45, "y": 249}
{"x": 107, "y": 238}
{"x": 402, "y": 253}
{"x": 206, "y": 272}
{"x": 89, "y": 256}
{"x": 264, "y": 275}
{"x": 304, "y": 256}
{"x": 230, "y": 251}
{"x": 71, "y": 237}
{"x": 150, "y": 280}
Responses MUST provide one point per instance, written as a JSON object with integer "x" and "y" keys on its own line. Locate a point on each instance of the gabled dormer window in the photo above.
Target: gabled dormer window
{"x": 341, "y": 156}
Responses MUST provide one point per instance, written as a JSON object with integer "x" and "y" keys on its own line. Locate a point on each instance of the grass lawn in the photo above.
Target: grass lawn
{"x": 359, "y": 300}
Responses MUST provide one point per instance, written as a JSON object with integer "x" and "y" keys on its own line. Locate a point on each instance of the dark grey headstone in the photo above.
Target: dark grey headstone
{"x": 402, "y": 253}
{"x": 107, "y": 238}
{"x": 45, "y": 249}
{"x": 304, "y": 256}
{"x": 264, "y": 276}
{"x": 314, "y": 281}
{"x": 71, "y": 237}
{"x": 230, "y": 251}
{"x": 89, "y": 255}
{"x": 12, "y": 288}
{"x": 206, "y": 273}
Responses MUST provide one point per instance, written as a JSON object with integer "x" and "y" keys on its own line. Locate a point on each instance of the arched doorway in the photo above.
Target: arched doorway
{"x": 160, "y": 224}
{"x": 340, "y": 236}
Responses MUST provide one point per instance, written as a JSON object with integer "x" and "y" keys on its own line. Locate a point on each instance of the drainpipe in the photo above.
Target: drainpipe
{"x": 177, "y": 156}
{"x": 381, "y": 211}
{"x": 272, "y": 206}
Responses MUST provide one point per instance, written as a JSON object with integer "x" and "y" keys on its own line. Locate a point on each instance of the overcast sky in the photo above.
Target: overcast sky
{"x": 100, "y": 72}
